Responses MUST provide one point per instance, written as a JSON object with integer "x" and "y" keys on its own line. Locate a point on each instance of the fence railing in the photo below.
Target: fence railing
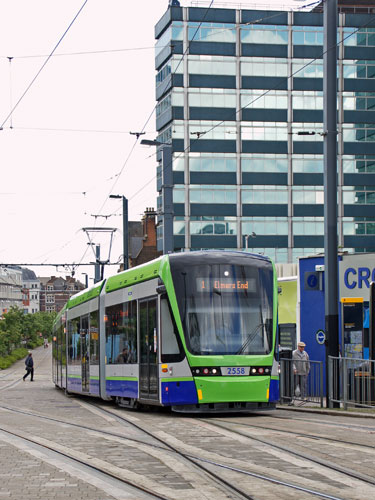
{"x": 353, "y": 382}
{"x": 301, "y": 382}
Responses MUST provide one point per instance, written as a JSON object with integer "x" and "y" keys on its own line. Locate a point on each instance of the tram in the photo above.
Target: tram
{"x": 193, "y": 331}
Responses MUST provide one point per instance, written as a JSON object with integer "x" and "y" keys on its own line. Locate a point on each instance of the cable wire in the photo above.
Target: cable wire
{"x": 43, "y": 66}
{"x": 254, "y": 100}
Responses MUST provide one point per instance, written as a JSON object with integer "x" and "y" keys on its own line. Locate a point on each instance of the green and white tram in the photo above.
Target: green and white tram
{"x": 193, "y": 331}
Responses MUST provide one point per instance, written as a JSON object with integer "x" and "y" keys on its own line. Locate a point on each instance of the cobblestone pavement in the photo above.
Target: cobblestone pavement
{"x": 27, "y": 471}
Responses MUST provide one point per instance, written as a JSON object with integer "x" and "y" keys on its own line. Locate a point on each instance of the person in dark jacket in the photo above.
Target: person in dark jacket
{"x": 29, "y": 362}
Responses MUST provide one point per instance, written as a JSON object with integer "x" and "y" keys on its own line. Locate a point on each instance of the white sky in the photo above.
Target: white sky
{"x": 51, "y": 155}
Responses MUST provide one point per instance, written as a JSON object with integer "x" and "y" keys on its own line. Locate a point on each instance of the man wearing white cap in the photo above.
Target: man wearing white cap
{"x": 301, "y": 369}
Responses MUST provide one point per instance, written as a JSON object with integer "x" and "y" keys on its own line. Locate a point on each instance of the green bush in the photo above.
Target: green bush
{"x": 7, "y": 361}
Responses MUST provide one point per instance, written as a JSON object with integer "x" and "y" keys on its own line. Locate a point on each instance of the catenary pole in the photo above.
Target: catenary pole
{"x": 330, "y": 193}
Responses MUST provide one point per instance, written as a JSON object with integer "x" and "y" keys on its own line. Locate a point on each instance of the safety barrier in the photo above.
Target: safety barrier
{"x": 301, "y": 382}
{"x": 353, "y": 380}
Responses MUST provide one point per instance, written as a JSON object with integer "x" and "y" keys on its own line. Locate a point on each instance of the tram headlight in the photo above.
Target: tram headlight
{"x": 207, "y": 370}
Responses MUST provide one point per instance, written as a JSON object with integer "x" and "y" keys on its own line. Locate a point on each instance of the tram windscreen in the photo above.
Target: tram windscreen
{"x": 225, "y": 309}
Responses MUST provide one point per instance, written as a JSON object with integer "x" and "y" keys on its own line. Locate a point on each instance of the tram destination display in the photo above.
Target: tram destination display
{"x": 225, "y": 285}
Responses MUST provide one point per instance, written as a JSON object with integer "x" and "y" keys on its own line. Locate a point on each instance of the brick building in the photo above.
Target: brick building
{"x": 56, "y": 291}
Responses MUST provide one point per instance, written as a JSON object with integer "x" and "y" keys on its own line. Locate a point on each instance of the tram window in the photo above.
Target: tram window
{"x": 226, "y": 309}
{"x": 94, "y": 338}
{"x": 121, "y": 333}
{"x": 74, "y": 341}
{"x": 171, "y": 348}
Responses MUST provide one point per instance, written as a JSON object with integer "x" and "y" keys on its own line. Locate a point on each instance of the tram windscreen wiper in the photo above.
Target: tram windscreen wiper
{"x": 250, "y": 337}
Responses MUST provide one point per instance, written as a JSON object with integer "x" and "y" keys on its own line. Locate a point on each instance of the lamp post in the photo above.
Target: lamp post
{"x": 86, "y": 279}
{"x": 167, "y": 188}
{"x": 330, "y": 193}
{"x": 125, "y": 229}
{"x": 247, "y": 236}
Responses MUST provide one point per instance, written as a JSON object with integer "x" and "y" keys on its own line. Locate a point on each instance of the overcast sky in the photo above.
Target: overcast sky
{"x": 67, "y": 146}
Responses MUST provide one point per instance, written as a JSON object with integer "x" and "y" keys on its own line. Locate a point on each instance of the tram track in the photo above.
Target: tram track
{"x": 231, "y": 468}
{"x": 199, "y": 460}
{"x": 299, "y": 434}
{"x": 146, "y": 493}
{"x": 326, "y": 423}
{"x": 324, "y": 463}
{"x": 193, "y": 459}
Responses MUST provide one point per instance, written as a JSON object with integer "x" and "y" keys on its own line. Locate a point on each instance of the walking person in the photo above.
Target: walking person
{"x": 301, "y": 369}
{"x": 29, "y": 362}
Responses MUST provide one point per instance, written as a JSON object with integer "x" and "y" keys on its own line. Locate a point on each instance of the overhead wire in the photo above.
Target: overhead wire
{"x": 150, "y": 115}
{"x": 276, "y": 87}
{"x": 42, "y": 67}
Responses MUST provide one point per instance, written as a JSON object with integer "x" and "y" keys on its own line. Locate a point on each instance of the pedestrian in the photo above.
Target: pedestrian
{"x": 29, "y": 362}
{"x": 301, "y": 369}
{"x": 45, "y": 343}
{"x": 123, "y": 357}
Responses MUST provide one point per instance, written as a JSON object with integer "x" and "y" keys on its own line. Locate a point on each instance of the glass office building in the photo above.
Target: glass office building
{"x": 235, "y": 90}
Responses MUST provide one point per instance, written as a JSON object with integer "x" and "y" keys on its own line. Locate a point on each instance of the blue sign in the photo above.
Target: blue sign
{"x": 311, "y": 280}
{"x": 320, "y": 337}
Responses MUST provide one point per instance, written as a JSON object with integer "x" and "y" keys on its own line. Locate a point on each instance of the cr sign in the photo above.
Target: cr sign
{"x": 356, "y": 273}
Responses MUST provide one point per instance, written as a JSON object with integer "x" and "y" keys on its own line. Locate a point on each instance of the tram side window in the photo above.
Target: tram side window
{"x": 171, "y": 347}
{"x": 94, "y": 338}
{"x": 63, "y": 346}
{"x": 74, "y": 341}
{"x": 121, "y": 333}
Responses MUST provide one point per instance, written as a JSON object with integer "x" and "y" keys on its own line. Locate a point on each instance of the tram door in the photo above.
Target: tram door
{"x": 148, "y": 366}
{"x": 59, "y": 354}
{"x": 85, "y": 359}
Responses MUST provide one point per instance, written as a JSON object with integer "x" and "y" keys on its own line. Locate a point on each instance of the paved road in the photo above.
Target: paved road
{"x": 27, "y": 471}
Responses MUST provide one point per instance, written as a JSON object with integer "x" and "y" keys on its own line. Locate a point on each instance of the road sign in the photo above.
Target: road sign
{"x": 320, "y": 337}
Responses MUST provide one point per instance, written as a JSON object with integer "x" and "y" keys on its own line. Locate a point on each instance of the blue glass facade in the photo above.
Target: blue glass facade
{"x": 234, "y": 90}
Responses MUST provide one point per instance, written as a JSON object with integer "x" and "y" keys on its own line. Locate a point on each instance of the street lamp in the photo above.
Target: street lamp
{"x": 86, "y": 279}
{"x": 247, "y": 236}
{"x": 125, "y": 229}
{"x": 167, "y": 189}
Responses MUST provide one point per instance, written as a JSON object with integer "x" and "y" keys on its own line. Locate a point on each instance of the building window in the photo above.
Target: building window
{"x": 212, "y": 98}
{"x": 212, "y": 194}
{"x": 50, "y": 299}
{"x": 264, "y": 33}
{"x": 265, "y": 99}
{"x": 265, "y": 194}
{"x": 212, "y": 32}
{"x": 212, "y": 130}
{"x": 307, "y": 35}
{"x": 214, "y": 226}
{"x": 264, "y": 226}
{"x": 364, "y": 37}
{"x": 358, "y": 225}
{"x": 212, "y": 65}
{"x": 308, "y": 164}
{"x": 310, "y": 195}
{"x": 359, "y": 164}
{"x": 49, "y": 287}
{"x": 359, "y": 69}
{"x": 264, "y": 66}
{"x": 360, "y": 195}
{"x": 50, "y": 308}
{"x": 209, "y": 163}
{"x": 304, "y": 68}
{"x": 264, "y": 131}
{"x": 264, "y": 163}
{"x": 307, "y": 99}
{"x": 308, "y": 226}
